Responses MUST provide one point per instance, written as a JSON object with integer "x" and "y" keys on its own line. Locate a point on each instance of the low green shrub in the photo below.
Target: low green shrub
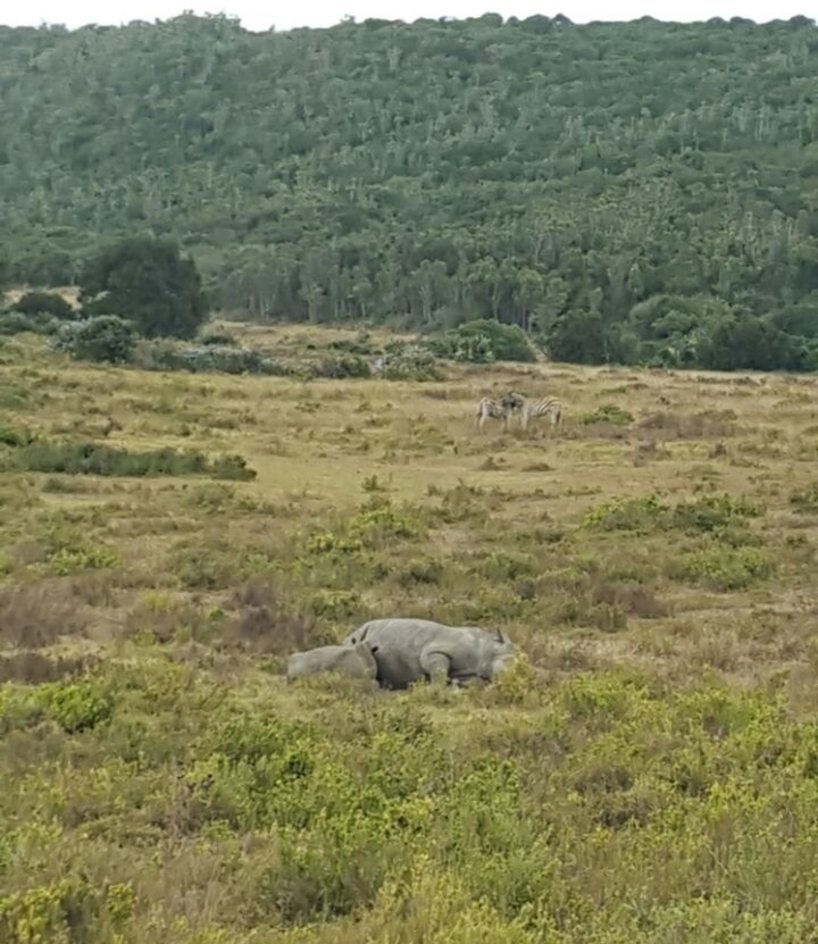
{"x": 336, "y": 604}
{"x": 15, "y": 322}
{"x": 76, "y": 706}
{"x": 370, "y": 529}
{"x": 406, "y": 361}
{"x": 14, "y": 436}
{"x": 502, "y": 566}
{"x": 341, "y": 367}
{"x": 421, "y": 570}
{"x": 713, "y": 512}
{"x": 643, "y": 513}
{"x": 168, "y": 355}
{"x": 607, "y": 413}
{"x": 75, "y": 560}
{"x": 721, "y": 567}
{"x": 205, "y": 567}
{"x": 78, "y": 458}
{"x": 722, "y": 514}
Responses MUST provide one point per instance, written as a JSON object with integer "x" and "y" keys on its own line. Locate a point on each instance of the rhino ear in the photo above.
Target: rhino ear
{"x": 499, "y": 635}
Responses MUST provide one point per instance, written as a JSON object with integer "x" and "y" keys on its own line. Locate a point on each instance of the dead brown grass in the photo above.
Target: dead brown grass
{"x": 704, "y": 425}
{"x": 33, "y": 616}
{"x": 262, "y": 624}
{"x": 33, "y": 668}
{"x": 693, "y": 433}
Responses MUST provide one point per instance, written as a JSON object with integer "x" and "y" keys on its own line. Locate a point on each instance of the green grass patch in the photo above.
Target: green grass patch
{"x": 721, "y": 567}
{"x": 607, "y": 413}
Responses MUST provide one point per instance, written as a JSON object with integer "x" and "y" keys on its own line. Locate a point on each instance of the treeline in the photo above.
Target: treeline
{"x": 640, "y": 192}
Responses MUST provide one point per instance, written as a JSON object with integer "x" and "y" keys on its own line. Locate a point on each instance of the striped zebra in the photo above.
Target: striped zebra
{"x": 545, "y": 406}
{"x": 498, "y": 409}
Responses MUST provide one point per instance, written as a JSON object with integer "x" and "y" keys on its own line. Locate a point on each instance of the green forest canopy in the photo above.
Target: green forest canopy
{"x": 627, "y": 191}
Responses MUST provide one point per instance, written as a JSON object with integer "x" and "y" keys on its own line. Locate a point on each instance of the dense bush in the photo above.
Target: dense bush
{"x": 721, "y": 567}
{"x": 104, "y": 338}
{"x": 15, "y": 322}
{"x": 401, "y": 361}
{"x": 341, "y": 367}
{"x": 77, "y": 458}
{"x": 754, "y": 344}
{"x": 163, "y": 354}
{"x": 484, "y": 341}
{"x": 718, "y": 514}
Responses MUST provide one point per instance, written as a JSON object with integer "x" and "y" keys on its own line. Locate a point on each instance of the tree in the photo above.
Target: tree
{"x": 752, "y": 344}
{"x": 432, "y": 173}
{"x": 147, "y": 282}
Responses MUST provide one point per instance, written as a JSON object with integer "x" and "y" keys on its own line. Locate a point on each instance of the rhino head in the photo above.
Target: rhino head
{"x": 502, "y": 654}
{"x": 366, "y": 651}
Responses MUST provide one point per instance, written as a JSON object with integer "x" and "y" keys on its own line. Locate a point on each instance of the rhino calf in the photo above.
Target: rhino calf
{"x": 356, "y": 661}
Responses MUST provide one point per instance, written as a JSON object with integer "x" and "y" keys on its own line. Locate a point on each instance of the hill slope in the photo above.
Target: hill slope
{"x": 620, "y": 187}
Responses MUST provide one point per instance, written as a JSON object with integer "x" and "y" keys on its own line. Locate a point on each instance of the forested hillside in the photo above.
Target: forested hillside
{"x": 631, "y": 192}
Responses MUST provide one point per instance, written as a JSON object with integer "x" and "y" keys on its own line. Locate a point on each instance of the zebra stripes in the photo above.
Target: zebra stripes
{"x": 514, "y": 403}
{"x": 545, "y": 406}
{"x": 498, "y": 409}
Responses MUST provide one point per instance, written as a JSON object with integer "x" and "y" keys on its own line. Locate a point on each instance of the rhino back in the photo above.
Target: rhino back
{"x": 382, "y": 631}
{"x": 472, "y": 651}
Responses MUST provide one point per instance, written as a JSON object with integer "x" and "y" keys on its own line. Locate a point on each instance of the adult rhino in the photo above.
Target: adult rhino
{"x": 355, "y": 661}
{"x": 411, "y": 649}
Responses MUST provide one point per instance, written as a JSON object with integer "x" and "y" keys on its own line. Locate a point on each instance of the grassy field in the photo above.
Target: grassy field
{"x": 648, "y": 770}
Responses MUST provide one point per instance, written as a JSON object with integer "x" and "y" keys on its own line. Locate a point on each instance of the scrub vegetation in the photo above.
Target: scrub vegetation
{"x": 647, "y": 770}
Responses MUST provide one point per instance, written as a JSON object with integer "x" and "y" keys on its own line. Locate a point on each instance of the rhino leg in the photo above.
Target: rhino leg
{"x": 436, "y": 665}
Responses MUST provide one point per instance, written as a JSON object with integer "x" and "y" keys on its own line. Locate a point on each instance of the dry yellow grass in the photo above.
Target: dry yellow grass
{"x": 631, "y": 780}
{"x": 316, "y": 444}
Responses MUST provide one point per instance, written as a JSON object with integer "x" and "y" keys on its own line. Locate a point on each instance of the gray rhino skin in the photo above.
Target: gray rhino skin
{"x": 408, "y": 650}
{"x": 356, "y": 661}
